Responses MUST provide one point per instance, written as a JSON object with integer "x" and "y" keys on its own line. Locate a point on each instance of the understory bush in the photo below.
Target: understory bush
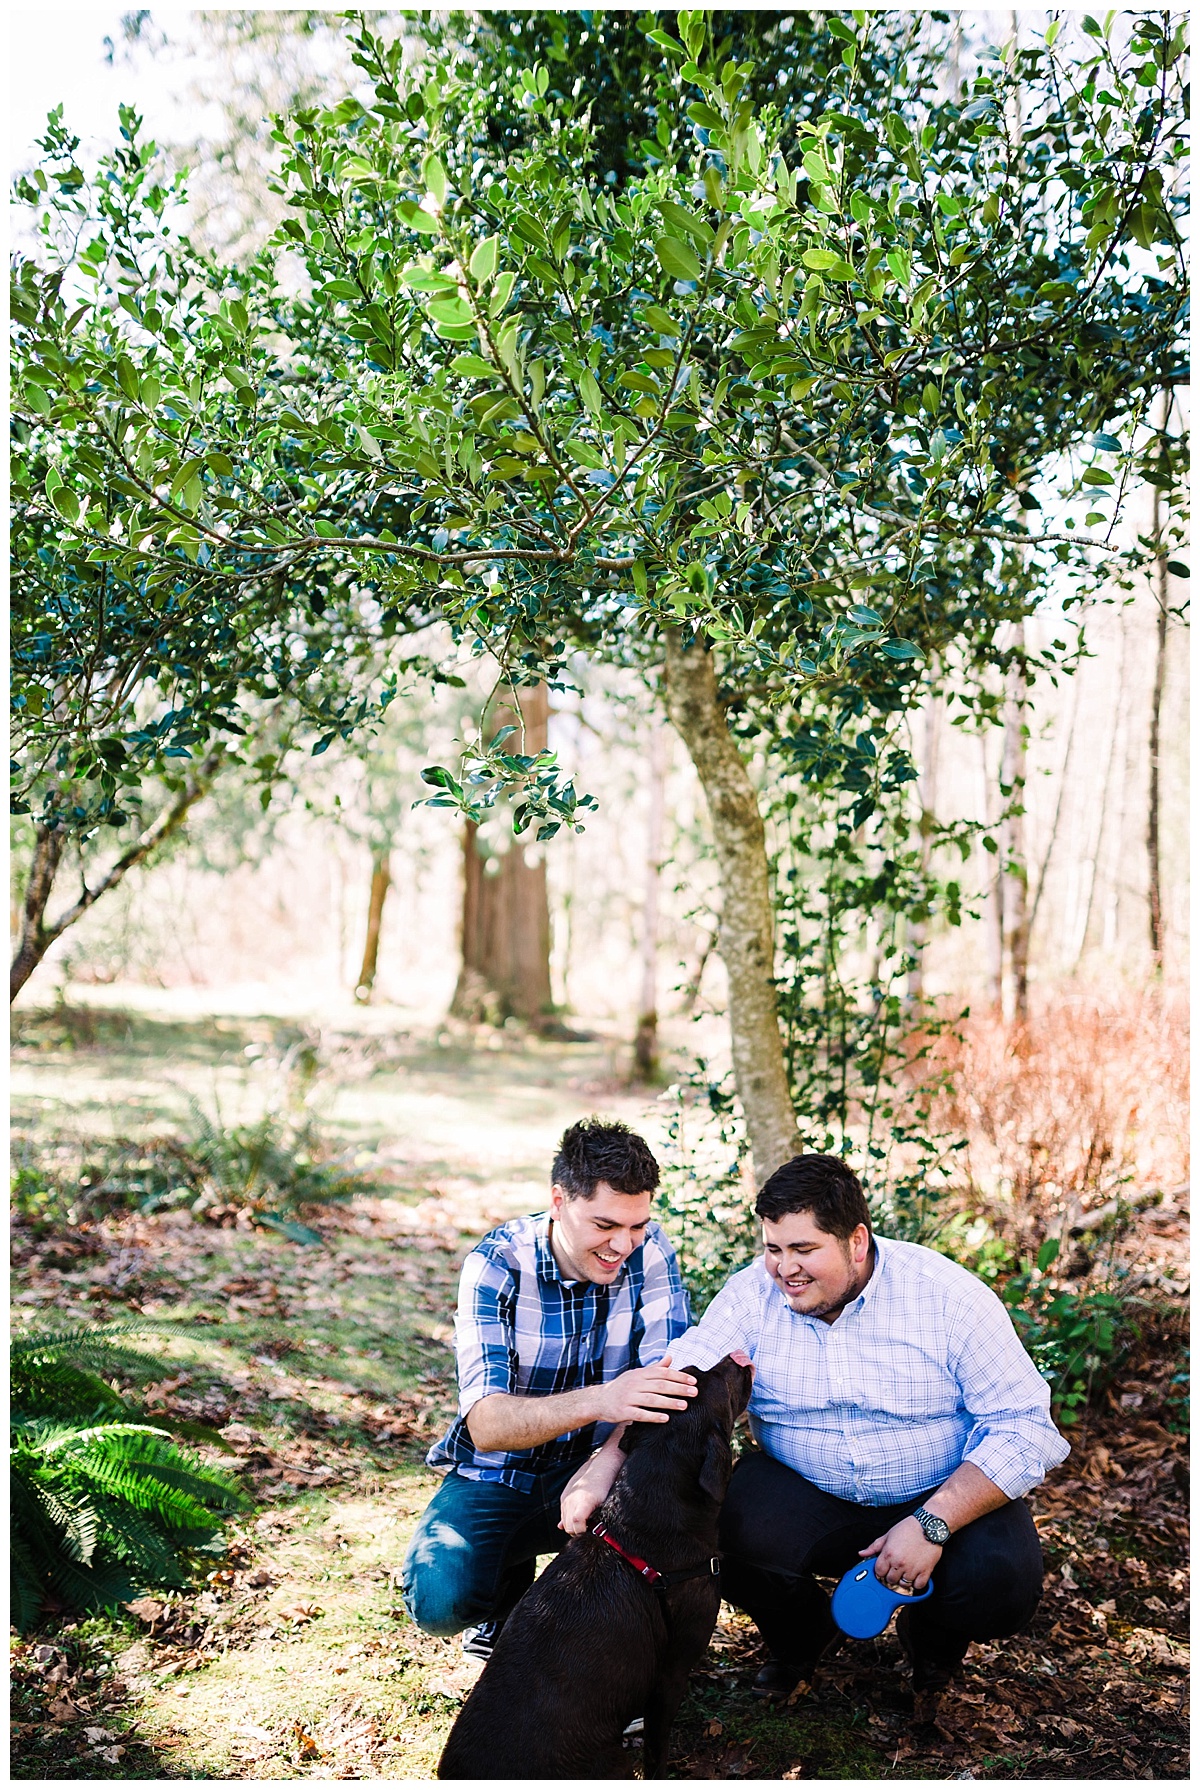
{"x": 1082, "y": 1108}
{"x": 103, "y": 1506}
{"x": 265, "y": 1170}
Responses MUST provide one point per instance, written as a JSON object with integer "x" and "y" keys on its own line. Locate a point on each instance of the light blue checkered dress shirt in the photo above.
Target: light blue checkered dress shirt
{"x": 523, "y": 1327}
{"x": 921, "y": 1372}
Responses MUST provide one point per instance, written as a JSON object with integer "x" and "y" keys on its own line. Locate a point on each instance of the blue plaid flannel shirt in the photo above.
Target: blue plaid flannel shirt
{"x": 521, "y": 1327}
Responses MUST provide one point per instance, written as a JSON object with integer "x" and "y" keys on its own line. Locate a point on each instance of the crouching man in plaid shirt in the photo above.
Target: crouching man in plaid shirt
{"x": 898, "y": 1420}
{"x": 563, "y": 1328}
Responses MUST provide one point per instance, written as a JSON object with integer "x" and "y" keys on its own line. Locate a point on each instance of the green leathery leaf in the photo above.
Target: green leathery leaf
{"x": 473, "y": 366}
{"x": 677, "y": 259}
{"x": 65, "y": 502}
{"x": 589, "y": 391}
{"x": 661, "y": 320}
{"x": 485, "y": 258}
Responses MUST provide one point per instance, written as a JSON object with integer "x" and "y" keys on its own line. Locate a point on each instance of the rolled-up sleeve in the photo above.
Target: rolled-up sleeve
{"x": 1012, "y": 1439}
{"x": 663, "y": 1312}
{"x": 485, "y": 1330}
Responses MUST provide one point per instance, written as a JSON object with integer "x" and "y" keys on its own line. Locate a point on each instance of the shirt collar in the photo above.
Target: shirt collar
{"x": 882, "y": 1251}
{"x": 547, "y": 1261}
{"x": 883, "y": 1247}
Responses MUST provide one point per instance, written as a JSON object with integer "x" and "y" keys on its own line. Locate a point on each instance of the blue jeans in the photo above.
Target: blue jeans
{"x": 475, "y": 1550}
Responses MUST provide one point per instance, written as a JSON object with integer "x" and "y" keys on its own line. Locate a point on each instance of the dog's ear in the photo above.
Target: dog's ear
{"x": 714, "y": 1474}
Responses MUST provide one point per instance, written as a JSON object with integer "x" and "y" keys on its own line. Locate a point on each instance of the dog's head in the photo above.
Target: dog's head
{"x": 700, "y": 1436}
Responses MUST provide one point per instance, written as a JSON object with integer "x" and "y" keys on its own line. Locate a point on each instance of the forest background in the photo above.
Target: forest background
{"x": 319, "y": 1017}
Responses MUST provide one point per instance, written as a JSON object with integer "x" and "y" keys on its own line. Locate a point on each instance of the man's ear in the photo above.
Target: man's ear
{"x": 714, "y": 1474}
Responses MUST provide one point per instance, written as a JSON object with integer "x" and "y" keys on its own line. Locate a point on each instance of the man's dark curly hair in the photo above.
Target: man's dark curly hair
{"x": 823, "y": 1185}
{"x": 603, "y": 1150}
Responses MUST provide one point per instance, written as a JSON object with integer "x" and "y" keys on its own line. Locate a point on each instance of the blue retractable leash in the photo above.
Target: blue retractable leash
{"x": 863, "y": 1605}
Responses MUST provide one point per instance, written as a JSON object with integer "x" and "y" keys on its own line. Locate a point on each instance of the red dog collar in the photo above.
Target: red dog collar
{"x": 660, "y": 1580}
{"x": 650, "y": 1573}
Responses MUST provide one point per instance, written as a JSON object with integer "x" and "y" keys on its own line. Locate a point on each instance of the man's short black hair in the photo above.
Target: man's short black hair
{"x": 823, "y": 1185}
{"x": 603, "y": 1150}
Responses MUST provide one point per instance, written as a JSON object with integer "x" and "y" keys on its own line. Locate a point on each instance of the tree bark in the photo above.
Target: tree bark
{"x": 506, "y": 915}
{"x": 1014, "y": 868}
{"x": 927, "y": 790}
{"x": 36, "y": 936}
{"x": 746, "y": 940}
{"x": 1093, "y": 861}
{"x": 1153, "y": 848}
{"x": 381, "y": 882}
{"x": 645, "y": 1043}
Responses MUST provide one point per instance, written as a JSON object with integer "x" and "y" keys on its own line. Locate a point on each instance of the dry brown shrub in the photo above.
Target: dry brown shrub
{"x": 1084, "y": 1104}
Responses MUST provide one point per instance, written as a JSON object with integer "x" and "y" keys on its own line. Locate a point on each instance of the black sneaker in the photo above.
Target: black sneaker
{"x": 778, "y": 1679}
{"x": 480, "y": 1642}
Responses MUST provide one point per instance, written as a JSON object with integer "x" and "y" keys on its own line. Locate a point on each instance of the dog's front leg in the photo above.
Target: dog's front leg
{"x": 664, "y": 1701}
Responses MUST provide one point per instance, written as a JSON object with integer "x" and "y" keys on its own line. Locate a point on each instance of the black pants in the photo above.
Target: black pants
{"x": 777, "y": 1530}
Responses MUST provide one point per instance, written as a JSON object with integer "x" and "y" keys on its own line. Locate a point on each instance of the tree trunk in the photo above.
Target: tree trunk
{"x": 746, "y": 940}
{"x": 1093, "y": 861}
{"x": 36, "y": 936}
{"x": 1063, "y": 776}
{"x": 645, "y": 1043}
{"x": 927, "y": 790}
{"x": 381, "y": 882}
{"x": 1156, "y": 697}
{"x": 35, "y": 940}
{"x": 993, "y": 889}
{"x": 1014, "y": 868}
{"x": 506, "y": 914}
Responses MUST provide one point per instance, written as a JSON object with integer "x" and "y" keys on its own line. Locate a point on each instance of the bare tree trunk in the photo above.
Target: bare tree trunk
{"x": 381, "y": 882}
{"x": 746, "y": 940}
{"x": 1093, "y": 864}
{"x": 993, "y": 894}
{"x": 645, "y": 1043}
{"x": 927, "y": 787}
{"x": 1014, "y": 869}
{"x": 36, "y": 937}
{"x": 1156, "y": 697}
{"x": 1043, "y": 872}
{"x": 506, "y": 915}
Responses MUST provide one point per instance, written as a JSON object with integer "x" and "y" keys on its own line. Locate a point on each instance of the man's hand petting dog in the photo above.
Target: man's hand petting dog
{"x": 905, "y": 1558}
{"x": 645, "y": 1394}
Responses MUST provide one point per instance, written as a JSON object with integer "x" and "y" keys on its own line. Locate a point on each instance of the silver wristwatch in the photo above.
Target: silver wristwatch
{"x": 935, "y": 1529}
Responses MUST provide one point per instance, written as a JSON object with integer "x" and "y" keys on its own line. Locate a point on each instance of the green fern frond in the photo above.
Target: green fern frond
{"x": 140, "y": 1544}
{"x": 101, "y": 1504}
{"x": 143, "y": 1465}
{"x": 74, "y": 1516}
{"x": 94, "y": 1344}
{"x": 56, "y": 1388}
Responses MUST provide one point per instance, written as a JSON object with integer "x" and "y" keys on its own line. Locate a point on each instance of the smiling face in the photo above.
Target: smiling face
{"x": 816, "y": 1272}
{"x": 593, "y": 1239}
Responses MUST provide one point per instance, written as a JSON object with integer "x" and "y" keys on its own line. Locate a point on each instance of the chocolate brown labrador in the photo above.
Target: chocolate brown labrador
{"x": 596, "y": 1640}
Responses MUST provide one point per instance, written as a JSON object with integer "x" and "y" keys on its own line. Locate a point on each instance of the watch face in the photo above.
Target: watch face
{"x": 937, "y": 1530}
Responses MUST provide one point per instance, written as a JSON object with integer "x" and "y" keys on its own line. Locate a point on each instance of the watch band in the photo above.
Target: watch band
{"x": 934, "y": 1529}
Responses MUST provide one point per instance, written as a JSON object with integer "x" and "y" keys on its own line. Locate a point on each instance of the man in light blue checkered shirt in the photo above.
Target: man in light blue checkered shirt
{"x": 898, "y": 1420}
{"x": 563, "y": 1329}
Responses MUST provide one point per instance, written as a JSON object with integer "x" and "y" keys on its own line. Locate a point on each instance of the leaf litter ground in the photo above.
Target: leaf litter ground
{"x": 292, "y": 1656}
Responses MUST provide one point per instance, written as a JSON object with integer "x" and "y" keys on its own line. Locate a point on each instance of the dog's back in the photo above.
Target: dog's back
{"x": 591, "y": 1645}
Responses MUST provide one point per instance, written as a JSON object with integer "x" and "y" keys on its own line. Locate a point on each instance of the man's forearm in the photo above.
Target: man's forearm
{"x": 502, "y": 1422}
{"x": 967, "y": 1494}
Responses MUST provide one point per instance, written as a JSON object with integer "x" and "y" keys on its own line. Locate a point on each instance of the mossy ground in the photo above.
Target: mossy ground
{"x": 292, "y": 1657}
